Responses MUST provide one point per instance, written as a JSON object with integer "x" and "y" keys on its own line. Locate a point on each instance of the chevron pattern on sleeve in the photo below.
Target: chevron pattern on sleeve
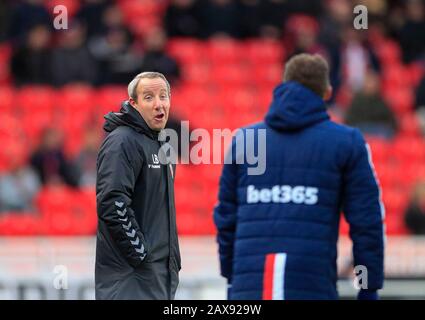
{"x": 129, "y": 230}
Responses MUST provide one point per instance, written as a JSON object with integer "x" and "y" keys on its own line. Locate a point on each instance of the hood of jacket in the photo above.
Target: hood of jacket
{"x": 295, "y": 107}
{"x": 130, "y": 117}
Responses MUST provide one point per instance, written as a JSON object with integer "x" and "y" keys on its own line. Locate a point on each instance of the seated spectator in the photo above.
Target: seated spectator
{"x": 227, "y": 25}
{"x": 25, "y": 15}
{"x": 116, "y": 59}
{"x": 91, "y": 14}
{"x": 369, "y": 112}
{"x": 420, "y": 104}
{"x": 415, "y": 213}
{"x": 357, "y": 58}
{"x": 273, "y": 15}
{"x": 155, "y": 57}
{"x": 182, "y": 19}
{"x": 5, "y": 9}
{"x": 50, "y": 163}
{"x": 303, "y": 36}
{"x": 412, "y": 33}
{"x": 420, "y": 95}
{"x": 86, "y": 160}
{"x": 72, "y": 61}
{"x": 31, "y": 62}
{"x": 250, "y": 18}
{"x": 19, "y": 184}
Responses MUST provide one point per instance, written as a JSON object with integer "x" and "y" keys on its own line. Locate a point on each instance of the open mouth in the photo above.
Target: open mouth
{"x": 160, "y": 116}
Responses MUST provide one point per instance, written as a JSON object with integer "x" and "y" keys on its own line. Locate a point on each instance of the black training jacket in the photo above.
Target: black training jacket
{"x": 137, "y": 250}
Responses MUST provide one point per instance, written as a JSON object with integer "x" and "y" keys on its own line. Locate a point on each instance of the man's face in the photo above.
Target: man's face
{"x": 153, "y": 102}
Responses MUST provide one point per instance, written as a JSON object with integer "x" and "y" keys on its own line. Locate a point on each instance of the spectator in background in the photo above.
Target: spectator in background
{"x": 115, "y": 56}
{"x": 72, "y": 61}
{"x": 31, "y": 62}
{"x": 155, "y": 57}
{"x": 220, "y": 18}
{"x": 50, "y": 163}
{"x": 5, "y": 9}
{"x": 19, "y": 184}
{"x": 420, "y": 95}
{"x": 250, "y": 18}
{"x": 182, "y": 19}
{"x": 273, "y": 17}
{"x": 24, "y": 16}
{"x": 412, "y": 33}
{"x": 415, "y": 213}
{"x": 357, "y": 58}
{"x": 86, "y": 160}
{"x": 303, "y": 36}
{"x": 338, "y": 14}
{"x": 369, "y": 112}
{"x": 420, "y": 104}
{"x": 91, "y": 13}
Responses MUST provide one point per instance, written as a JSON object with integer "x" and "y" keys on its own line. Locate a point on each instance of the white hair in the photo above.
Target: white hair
{"x": 132, "y": 86}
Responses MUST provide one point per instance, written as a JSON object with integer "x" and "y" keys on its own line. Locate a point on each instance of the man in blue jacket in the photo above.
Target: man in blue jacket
{"x": 278, "y": 231}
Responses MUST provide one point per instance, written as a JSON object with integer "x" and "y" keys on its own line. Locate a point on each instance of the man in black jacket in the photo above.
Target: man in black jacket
{"x": 137, "y": 253}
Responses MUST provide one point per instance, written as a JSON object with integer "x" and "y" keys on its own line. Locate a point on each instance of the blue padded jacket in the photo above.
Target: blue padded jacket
{"x": 278, "y": 231}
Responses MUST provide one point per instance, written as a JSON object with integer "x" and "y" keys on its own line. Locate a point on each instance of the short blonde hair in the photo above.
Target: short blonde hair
{"x": 132, "y": 86}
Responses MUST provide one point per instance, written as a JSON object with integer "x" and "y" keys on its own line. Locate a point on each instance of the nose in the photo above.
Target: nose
{"x": 157, "y": 104}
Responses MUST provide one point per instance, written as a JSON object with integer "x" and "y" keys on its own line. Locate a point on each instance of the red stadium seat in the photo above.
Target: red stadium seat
{"x": 109, "y": 98}
{"x": 137, "y": 9}
{"x": 7, "y": 96}
{"x": 223, "y": 51}
{"x": 197, "y": 74}
{"x": 395, "y": 201}
{"x": 401, "y": 100}
{"x": 187, "y": 51}
{"x": 387, "y": 173}
{"x": 264, "y": 51}
{"x": 40, "y": 99}
{"x": 389, "y": 52}
{"x": 268, "y": 75}
{"x": 225, "y": 75}
{"x": 142, "y": 26}
{"x": 380, "y": 149}
{"x": 71, "y": 6}
{"x": 396, "y": 75}
{"x": 5, "y": 53}
{"x": 20, "y": 224}
{"x": 409, "y": 126}
{"x": 409, "y": 150}
{"x": 77, "y": 99}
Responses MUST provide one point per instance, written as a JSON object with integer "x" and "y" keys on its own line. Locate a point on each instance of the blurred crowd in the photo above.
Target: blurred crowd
{"x": 101, "y": 48}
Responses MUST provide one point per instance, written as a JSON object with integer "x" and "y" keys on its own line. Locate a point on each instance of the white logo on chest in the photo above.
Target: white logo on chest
{"x": 155, "y": 161}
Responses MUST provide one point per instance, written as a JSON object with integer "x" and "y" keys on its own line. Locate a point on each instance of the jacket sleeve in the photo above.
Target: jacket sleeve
{"x": 117, "y": 172}
{"x": 225, "y": 214}
{"x": 364, "y": 212}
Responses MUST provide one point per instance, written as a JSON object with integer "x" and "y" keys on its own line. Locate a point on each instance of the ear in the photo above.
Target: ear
{"x": 328, "y": 93}
{"x": 132, "y": 102}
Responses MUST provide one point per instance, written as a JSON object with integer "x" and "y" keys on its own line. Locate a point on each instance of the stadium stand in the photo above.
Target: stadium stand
{"x": 226, "y": 83}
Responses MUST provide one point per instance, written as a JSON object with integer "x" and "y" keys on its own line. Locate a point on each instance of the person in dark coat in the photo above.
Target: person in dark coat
{"x": 414, "y": 217}
{"x": 137, "y": 252}
{"x": 369, "y": 112}
{"x": 278, "y": 230}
